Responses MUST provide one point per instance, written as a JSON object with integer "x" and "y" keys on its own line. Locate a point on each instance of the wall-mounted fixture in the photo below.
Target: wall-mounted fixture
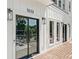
{"x": 44, "y": 20}
{"x": 9, "y": 14}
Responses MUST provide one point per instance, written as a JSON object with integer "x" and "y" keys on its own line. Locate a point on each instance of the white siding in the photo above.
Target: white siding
{"x": 40, "y": 10}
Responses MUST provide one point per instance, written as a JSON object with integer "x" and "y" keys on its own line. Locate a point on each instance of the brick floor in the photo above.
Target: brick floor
{"x": 63, "y": 51}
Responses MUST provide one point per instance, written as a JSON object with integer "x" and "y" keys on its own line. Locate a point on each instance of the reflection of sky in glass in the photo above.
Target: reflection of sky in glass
{"x": 32, "y": 22}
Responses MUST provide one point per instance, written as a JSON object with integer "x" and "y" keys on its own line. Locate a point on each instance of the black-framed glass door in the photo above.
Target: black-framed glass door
{"x": 27, "y": 37}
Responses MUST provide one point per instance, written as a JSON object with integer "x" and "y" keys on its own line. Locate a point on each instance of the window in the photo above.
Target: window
{"x": 50, "y": 29}
{"x": 51, "y": 32}
{"x": 55, "y": 1}
{"x": 69, "y": 6}
{"x": 58, "y": 31}
{"x": 59, "y": 3}
{"x": 64, "y": 4}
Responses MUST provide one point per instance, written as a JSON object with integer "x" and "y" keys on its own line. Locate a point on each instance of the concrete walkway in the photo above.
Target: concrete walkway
{"x": 63, "y": 51}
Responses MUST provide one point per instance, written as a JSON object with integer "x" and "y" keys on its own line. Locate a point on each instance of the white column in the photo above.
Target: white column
{"x": 61, "y": 36}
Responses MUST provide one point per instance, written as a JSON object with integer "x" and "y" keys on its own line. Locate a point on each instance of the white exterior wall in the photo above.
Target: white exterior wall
{"x": 40, "y": 10}
{"x": 20, "y": 7}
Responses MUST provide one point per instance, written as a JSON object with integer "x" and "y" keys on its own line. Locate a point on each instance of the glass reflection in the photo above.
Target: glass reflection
{"x": 33, "y": 36}
{"x": 21, "y": 37}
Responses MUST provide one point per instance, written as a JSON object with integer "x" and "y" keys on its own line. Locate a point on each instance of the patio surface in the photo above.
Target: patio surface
{"x": 63, "y": 51}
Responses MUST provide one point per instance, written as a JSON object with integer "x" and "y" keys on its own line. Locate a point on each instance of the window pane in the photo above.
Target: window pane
{"x": 58, "y": 31}
{"x": 32, "y": 36}
{"x": 51, "y": 32}
{"x": 55, "y": 1}
{"x": 21, "y": 36}
{"x": 69, "y": 6}
{"x": 59, "y": 3}
{"x": 64, "y": 4}
{"x": 50, "y": 29}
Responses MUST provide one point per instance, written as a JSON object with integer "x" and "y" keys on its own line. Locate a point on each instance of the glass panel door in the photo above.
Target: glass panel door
{"x": 21, "y": 36}
{"x": 32, "y": 36}
{"x": 26, "y": 37}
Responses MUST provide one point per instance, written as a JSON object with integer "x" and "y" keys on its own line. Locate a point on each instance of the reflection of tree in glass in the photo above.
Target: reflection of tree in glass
{"x": 20, "y": 24}
{"x": 22, "y": 30}
{"x": 33, "y": 31}
{"x": 20, "y": 27}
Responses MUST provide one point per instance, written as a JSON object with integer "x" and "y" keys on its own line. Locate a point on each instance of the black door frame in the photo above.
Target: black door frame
{"x": 30, "y": 55}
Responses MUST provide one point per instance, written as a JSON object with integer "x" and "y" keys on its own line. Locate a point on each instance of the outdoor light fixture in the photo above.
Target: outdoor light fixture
{"x": 10, "y": 14}
{"x": 44, "y": 20}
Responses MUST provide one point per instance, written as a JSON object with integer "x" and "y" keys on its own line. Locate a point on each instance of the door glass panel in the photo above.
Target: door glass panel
{"x": 21, "y": 36}
{"x": 32, "y": 36}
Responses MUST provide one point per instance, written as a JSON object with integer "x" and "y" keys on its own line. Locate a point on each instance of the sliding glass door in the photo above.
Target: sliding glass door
{"x": 27, "y": 37}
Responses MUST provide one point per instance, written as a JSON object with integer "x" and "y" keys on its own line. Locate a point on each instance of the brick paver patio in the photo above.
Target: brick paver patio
{"x": 63, "y": 51}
